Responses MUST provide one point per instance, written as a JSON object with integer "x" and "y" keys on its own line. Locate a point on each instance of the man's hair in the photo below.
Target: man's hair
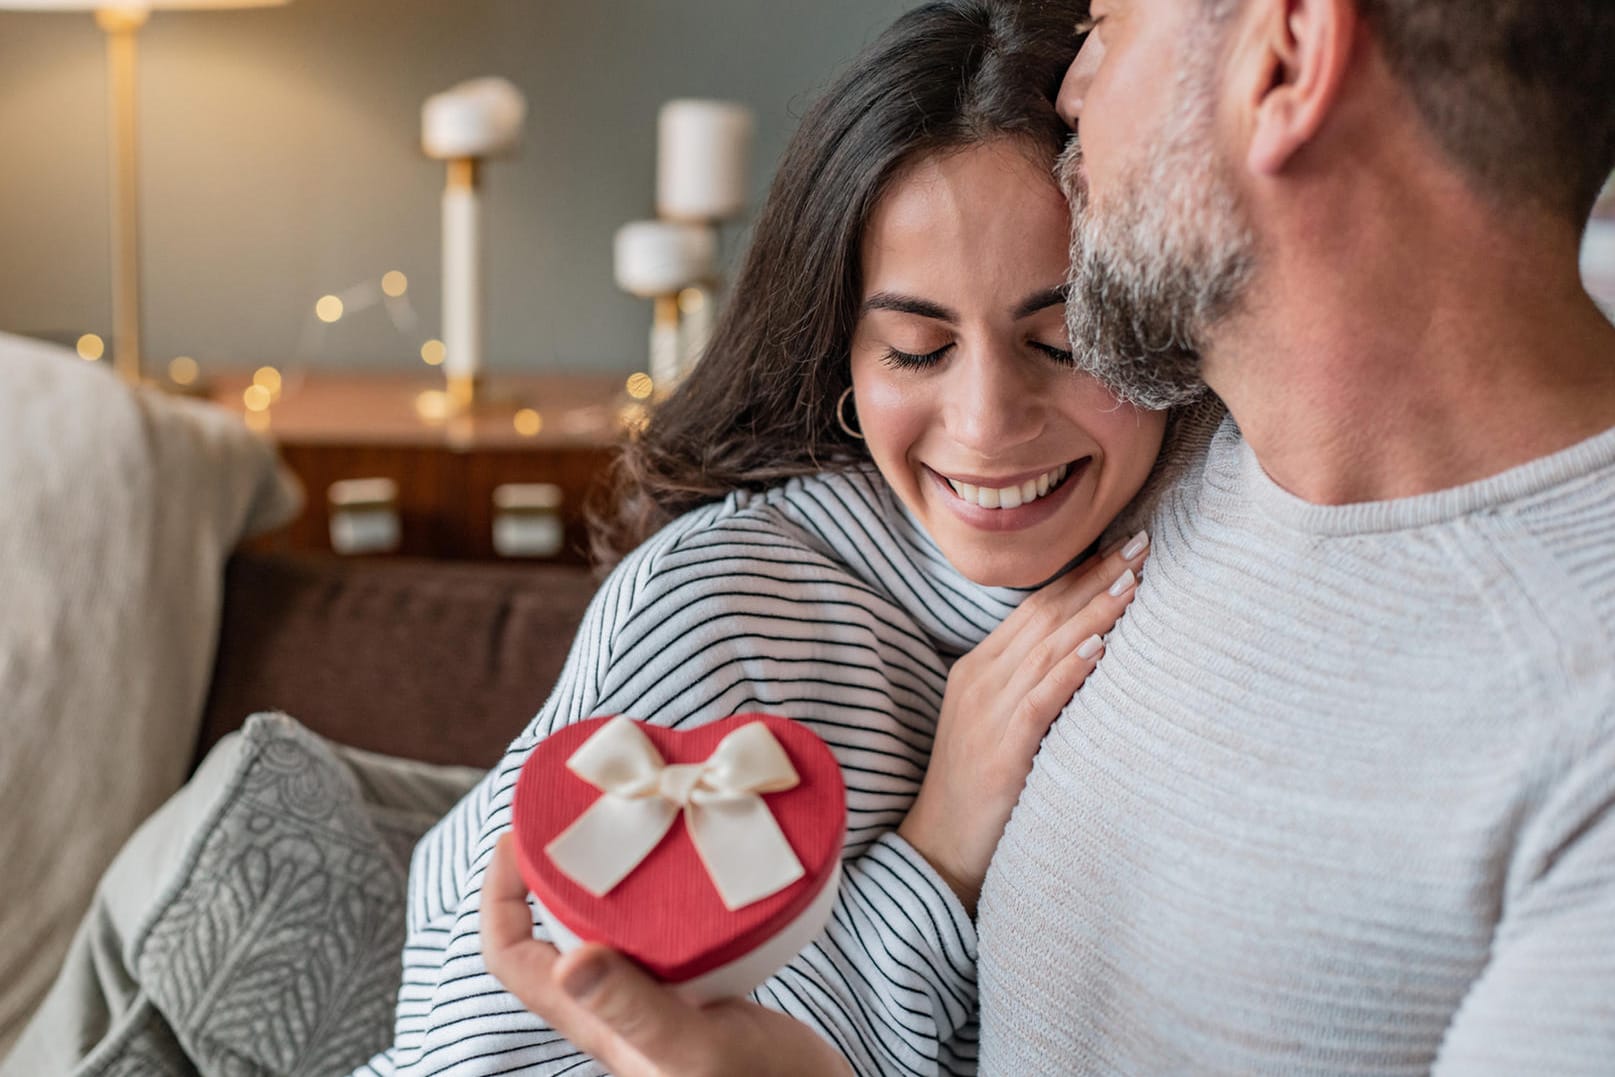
{"x": 1520, "y": 93}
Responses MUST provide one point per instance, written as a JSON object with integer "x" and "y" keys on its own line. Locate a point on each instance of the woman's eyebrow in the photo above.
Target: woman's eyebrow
{"x": 1048, "y": 297}
{"x": 924, "y": 308}
{"x": 908, "y": 304}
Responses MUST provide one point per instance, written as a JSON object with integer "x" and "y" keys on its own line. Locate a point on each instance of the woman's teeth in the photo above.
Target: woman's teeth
{"x": 1011, "y": 497}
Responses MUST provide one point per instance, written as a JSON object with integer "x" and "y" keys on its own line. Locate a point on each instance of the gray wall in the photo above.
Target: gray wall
{"x": 280, "y": 161}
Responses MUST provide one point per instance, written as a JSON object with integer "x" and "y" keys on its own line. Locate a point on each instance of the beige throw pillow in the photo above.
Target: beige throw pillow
{"x": 117, "y": 511}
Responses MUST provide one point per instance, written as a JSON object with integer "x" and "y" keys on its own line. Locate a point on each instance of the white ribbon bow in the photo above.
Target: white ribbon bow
{"x": 740, "y": 843}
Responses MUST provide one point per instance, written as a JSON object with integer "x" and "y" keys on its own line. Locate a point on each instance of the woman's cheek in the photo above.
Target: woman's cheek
{"x": 891, "y": 415}
{"x": 1132, "y": 444}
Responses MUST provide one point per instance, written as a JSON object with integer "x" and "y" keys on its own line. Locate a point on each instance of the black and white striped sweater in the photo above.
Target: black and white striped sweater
{"x": 820, "y": 600}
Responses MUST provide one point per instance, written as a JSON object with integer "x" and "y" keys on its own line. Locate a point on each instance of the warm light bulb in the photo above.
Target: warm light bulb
{"x": 269, "y": 378}
{"x": 432, "y": 352}
{"x": 633, "y": 418}
{"x": 91, "y": 347}
{"x": 432, "y": 405}
{"x": 183, "y": 370}
{"x": 528, "y": 422}
{"x": 692, "y": 300}
{"x": 257, "y": 398}
{"x": 394, "y": 283}
{"x": 328, "y": 309}
{"x": 640, "y": 386}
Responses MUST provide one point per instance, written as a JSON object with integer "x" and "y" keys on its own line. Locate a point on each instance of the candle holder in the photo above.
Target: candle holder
{"x": 464, "y": 126}
{"x": 702, "y": 158}
{"x": 659, "y": 261}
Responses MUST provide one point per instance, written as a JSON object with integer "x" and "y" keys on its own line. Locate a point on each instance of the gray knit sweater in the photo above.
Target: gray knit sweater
{"x": 1339, "y": 799}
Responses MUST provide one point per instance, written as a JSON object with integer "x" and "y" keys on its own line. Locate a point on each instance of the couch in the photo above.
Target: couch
{"x": 131, "y": 640}
{"x": 442, "y": 662}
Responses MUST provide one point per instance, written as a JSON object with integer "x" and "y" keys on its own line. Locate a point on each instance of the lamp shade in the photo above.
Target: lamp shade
{"x": 130, "y": 5}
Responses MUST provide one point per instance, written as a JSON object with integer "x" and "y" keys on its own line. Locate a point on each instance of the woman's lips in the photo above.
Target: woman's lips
{"x": 1023, "y": 515}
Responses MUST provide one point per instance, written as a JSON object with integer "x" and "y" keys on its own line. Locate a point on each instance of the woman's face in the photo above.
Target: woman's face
{"x": 1012, "y": 461}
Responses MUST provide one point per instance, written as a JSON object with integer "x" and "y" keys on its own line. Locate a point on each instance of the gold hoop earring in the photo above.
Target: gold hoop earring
{"x": 841, "y": 415}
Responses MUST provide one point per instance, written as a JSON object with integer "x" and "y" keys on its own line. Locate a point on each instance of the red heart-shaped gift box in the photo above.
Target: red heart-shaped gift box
{"x": 667, "y": 913}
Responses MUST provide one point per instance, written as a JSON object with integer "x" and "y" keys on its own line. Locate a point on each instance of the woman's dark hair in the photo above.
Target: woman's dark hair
{"x": 760, "y": 405}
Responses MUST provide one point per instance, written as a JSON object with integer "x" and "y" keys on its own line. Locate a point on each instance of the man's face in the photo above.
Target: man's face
{"x": 1161, "y": 251}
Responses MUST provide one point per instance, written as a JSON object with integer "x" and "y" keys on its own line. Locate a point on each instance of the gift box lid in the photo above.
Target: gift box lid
{"x": 667, "y": 912}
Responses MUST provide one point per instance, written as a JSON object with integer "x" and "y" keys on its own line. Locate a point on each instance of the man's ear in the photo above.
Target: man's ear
{"x": 1294, "y": 55}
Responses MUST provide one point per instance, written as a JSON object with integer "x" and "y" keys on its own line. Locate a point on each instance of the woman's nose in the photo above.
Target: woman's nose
{"x": 1078, "y": 76}
{"x": 992, "y": 405}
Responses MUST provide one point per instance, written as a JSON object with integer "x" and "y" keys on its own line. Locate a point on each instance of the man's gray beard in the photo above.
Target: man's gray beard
{"x": 1169, "y": 258}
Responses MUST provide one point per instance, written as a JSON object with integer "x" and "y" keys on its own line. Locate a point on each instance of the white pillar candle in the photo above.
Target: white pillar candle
{"x": 479, "y": 118}
{"x": 698, "y": 306}
{"x": 463, "y": 125}
{"x": 658, "y": 258}
{"x": 703, "y": 150}
{"x": 666, "y": 353}
{"x": 462, "y": 276}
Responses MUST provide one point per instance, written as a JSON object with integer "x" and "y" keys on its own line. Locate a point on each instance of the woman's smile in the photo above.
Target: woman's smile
{"x": 1001, "y": 505}
{"x": 1006, "y": 493}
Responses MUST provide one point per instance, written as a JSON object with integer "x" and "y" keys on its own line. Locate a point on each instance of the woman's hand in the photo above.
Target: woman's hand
{"x": 633, "y": 1025}
{"x": 1001, "y": 699}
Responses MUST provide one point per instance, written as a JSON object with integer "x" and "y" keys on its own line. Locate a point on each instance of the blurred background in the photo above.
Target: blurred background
{"x": 280, "y": 160}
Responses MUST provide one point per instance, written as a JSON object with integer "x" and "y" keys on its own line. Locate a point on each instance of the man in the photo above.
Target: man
{"x": 1342, "y": 795}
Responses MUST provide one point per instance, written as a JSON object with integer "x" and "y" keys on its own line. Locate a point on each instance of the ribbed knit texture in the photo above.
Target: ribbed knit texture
{"x": 1337, "y": 800}
{"x": 819, "y": 600}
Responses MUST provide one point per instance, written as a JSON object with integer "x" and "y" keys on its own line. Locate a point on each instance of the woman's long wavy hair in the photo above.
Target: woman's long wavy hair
{"x": 760, "y": 406}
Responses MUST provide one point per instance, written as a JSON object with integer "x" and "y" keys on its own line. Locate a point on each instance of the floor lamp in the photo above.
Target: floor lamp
{"x": 122, "y": 22}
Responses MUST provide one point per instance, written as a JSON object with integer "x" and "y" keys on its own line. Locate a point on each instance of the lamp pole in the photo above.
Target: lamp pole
{"x": 121, "y": 26}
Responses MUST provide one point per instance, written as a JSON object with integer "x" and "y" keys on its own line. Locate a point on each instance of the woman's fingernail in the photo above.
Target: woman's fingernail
{"x": 1136, "y": 545}
{"x": 581, "y": 979}
{"x": 1124, "y": 583}
{"x": 1090, "y": 647}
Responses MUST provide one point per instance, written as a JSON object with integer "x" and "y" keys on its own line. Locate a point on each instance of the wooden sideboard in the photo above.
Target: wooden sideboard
{"x": 559, "y": 429}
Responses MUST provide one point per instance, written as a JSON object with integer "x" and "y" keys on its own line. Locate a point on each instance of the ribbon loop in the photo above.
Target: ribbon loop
{"x": 678, "y": 782}
{"x": 740, "y": 843}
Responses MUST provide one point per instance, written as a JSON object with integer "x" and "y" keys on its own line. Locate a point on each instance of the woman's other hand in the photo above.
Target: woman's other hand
{"x": 636, "y": 1027}
{"x": 1000, "y": 700}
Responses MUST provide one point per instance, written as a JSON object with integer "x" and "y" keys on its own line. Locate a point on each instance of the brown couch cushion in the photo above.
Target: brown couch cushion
{"x": 437, "y": 661}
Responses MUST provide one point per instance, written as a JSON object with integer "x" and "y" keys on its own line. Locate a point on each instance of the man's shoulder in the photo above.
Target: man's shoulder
{"x": 1563, "y": 533}
{"x": 1549, "y": 555}
{"x": 1574, "y": 540}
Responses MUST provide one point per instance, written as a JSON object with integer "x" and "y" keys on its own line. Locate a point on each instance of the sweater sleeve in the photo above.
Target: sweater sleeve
{"x": 892, "y": 979}
{"x": 1545, "y": 1002}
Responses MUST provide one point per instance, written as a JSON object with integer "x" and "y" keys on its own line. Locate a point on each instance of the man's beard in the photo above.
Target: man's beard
{"x": 1168, "y": 258}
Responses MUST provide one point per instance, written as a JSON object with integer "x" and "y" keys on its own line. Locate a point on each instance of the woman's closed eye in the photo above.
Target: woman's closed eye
{"x": 910, "y": 361}
{"x": 903, "y": 360}
{"x": 1059, "y": 355}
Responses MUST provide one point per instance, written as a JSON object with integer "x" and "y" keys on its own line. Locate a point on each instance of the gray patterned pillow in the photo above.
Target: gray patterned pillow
{"x": 277, "y": 948}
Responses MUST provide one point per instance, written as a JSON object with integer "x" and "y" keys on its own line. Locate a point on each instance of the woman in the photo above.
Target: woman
{"x": 840, "y": 518}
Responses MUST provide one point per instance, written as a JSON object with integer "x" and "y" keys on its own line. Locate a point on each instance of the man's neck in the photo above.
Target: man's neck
{"x": 1414, "y": 354}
